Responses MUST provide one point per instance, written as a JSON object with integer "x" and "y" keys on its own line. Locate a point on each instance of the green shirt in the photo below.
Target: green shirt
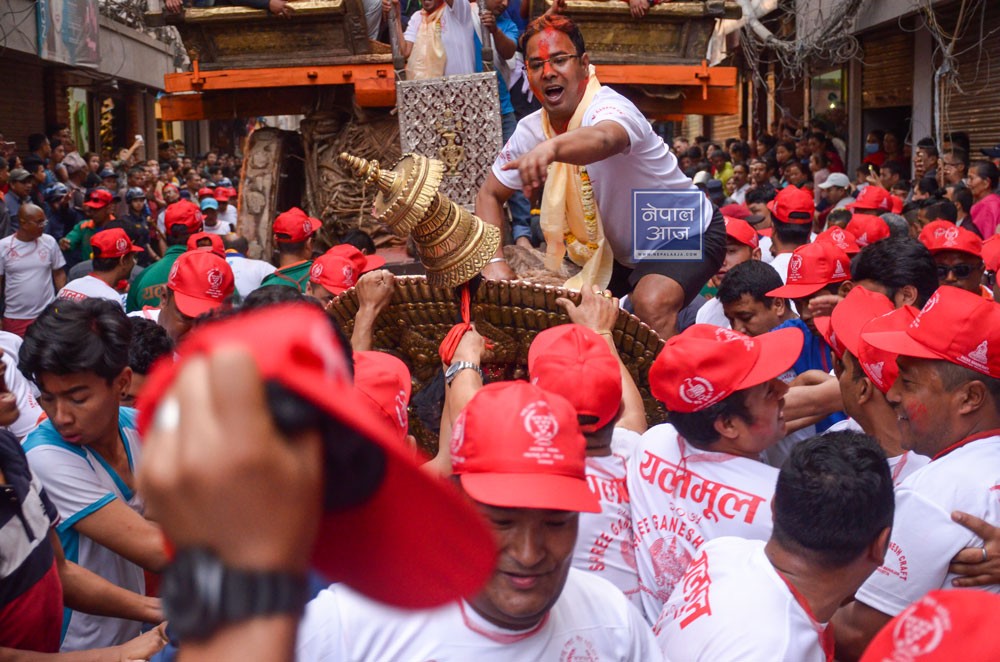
{"x": 79, "y": 241}
{"x": 294, "y": 275}
{"x": 147, "y": 288}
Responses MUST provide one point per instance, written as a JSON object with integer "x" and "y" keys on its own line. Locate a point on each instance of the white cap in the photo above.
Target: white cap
{"x": 836, "y": 179}
{"x": 702, "y": 177}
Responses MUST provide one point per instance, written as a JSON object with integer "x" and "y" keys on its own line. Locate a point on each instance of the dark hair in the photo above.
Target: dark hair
{"x": 289, "y": 247}
{"x": 137, "y": 170}
{"x": 925, "y": 142}
{"x": 953, "y": 375}
{"x": 929, "y": 186}
{"x": 945, "y": 209}
{"x": 962, "y": 196}
{"x": 270, "y": 295}
{"x": 822, "y": 158}
{"x": 556, "y": 22}
{"x": 699, "y": 427}
{"x": 929, "y": 149}
{"x": 236, "y": 242}
{"x": 71, "y": 337}
{"x": 740, "y": 148}
{"x": 792, "y": 233}
{"x": 102, "y": 264}
{"x": 987, "y": 170}
{"x": 214, "y": 169}
{"x": 165, "y": 165}
{"x": 898, "y": 225}
{"x": 769, "y": 141}
{"x": 833, "y": 498}
{"x": 837, "y": 215}
{"x": 149, "y": 342}
{"x": 878, "y": 133}
{"x": 360, "y": 240}
{"x": 694, "y": 153}
{"x": 753, "y": 277}
{"x": 959, "y": 153}
{"x": 36, "y": 140}
{"x": 895, "y": 167}
{"x": 959, "y": 139}
{"x": 760, "y": 195}
{"x": 177, "y": 235}
{"x": 896, "y": 262}
{"x": 32, "y": 164}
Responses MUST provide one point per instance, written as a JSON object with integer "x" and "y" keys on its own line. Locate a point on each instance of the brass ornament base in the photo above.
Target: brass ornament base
{"x": 452, "y": 243}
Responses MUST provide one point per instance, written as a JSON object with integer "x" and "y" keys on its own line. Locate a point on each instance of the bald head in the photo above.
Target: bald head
{"x": 31, "y": 222}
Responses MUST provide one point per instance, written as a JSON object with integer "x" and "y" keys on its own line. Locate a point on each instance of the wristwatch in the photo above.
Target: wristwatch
{"x": 456, "y": 367}
{"x": 200, "y": 594}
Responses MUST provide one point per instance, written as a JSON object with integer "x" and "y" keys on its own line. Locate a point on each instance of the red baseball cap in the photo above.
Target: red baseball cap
{"x": 186, "y": 213}
{"x": 954, "y": 325}
{"x": 201, "y": 281}
{"x": 842, "y": 329}
{"x": 576, "y": 363}
{"x": 295, "y": 226}
{"x": 706, "y": 364}
{"x": 867, "y": 229}
{"x": 872, "y": 197}
{"x": 516, "y": 445}
{"x": 793, "y": 205}
{"x": 414, "y": 543}
{"x": 385, "y": 385}
{"x": 741, "y": 231}
{"x": 813, "y": 267}
{"x": 940, "y": 236}
{"x": 98, "y": 198}
{"x": 991, "y": 253}
{"x": 215, "y": 243}
{"x": 942, "y": 626}
{"x": 221, "y": 193}
{"x": 205, "y": 192}
{"x": 879, "y": 364}
{"x": 362, "y": 263}
{"x": 840, "y": 238}
{"x": 896, "y": 204}
{"x": 113, "y": 242}
{"x": 336, "y": 274}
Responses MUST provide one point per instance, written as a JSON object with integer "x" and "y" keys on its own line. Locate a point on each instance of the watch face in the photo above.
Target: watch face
{"x": 192, "y": 592}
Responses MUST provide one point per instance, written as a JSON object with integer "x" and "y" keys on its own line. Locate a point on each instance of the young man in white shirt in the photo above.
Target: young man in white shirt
{"x": 753, "y": 601}
{"x": 699, "y": 477}
{"x": 438, "y": 39}
{"x": 114, "y": 259}
{"x": 247, "y": 272}
{"x": 590, "y": 138}
{"x": 518, "y": 455}
{"x": 32, "y": 270}
{"x": 947, "y": 400}
{"x": 742, "y": 244}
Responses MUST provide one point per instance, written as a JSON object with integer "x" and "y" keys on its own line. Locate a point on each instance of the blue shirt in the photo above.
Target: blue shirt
{"x": 509, "y": 28}
{"x": 815, "y": 355}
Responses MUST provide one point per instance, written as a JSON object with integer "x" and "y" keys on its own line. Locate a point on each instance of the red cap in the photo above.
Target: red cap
{"x": 954, "y": 325}
{"x": 813, "y": 267}
{"x": 173, "y": 186}
{"x": 576, "y": 363}
{"x": 793, "y": 205}
{"x": 706, "y": 364}
{"x": 295, "y": 226}
{"x": 840, "y": 238}
{"x": 741, "y": 231}
{"x": 867, "y": 229}
{"x": 896, "y": 204}
{"x": 741, "y": 212}
{"x": 414, "y": 543}
{"x": 940, "y": 236}
{"x": 516, "y": 445}
{"x": 878, "y": 364}
{"x": 942, "y": 626}
{"x": 872, "y": 197}
{"x": 99, "y": 198}
{"x": 362, "y": 263}
{"x": 215, "y": 244}
{"x": 113, "y": 242}
{"x": 201, "y": 281}
{"x": 336, "y": 274}
{"x": 186, "y": 213}
{"x": 384, "y": 384}
{"x": 991, "y": 253}
{"x": 842, "y": 329}
{"x": 205, "y": 192}
{"x": 221, "y": 193}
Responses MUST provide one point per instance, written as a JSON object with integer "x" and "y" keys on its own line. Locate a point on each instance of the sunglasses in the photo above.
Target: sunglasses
{"x": 961, "y": 271}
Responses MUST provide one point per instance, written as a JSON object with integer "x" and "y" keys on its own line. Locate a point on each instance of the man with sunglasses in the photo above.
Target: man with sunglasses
{"x": 958, "y": 256}
{"x": 591, "y": 147}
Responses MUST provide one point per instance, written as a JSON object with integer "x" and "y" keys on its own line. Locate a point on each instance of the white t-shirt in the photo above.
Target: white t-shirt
{"x": 645, "y": 164}
{"x": 924, "y": 537}
{"x": 230, "y": 214}
{"x": 25, "y": 393}
{"x": 80, "y": 482}
{"x": 248, "y": 273}
{"x": 604, "y": 543}
{"x": 27, "y": 268}
{"x": 780, "y": 264}
{"x": 456, "y": 37}
{"x": 712, "y": 313}
{"x": 765, "y": 249}
{"x": 591, "y": 620}
{"x": 683, "y": 497}
{"x": 624, "y": 442}
{"x": 220, "y": 228}
{"x": 900, "y": 466}
{"x": 147, "y": 313}
{"x": 733, "y": 605}
{"x": 91, "y": 287}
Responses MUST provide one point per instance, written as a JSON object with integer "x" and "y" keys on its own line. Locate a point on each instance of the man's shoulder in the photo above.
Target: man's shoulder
{"x": 968, "y": 467}
{"x": 46, "y": 438}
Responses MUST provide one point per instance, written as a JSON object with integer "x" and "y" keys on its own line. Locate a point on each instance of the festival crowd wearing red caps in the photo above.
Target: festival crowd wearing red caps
{"x": 199, "y": 463}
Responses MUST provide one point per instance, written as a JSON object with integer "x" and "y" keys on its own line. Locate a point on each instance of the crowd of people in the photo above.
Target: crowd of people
{"x": 189, "y": 437}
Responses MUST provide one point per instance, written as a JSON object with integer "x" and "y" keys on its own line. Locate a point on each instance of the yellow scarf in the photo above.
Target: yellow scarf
{"x": 570, "y": 219}
{"x": 427, "y": 59}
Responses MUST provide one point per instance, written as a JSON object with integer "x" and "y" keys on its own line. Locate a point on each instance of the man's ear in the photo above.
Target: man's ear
{"x": 779, "y": 305}
{"x": 844, "y": 288}
{"x": 905, "y": 296}
{"x": 755, "y": 254}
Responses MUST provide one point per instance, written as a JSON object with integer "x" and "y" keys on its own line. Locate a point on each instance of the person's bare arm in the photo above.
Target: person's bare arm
{"x": 979, "y": 566}
{"x": 405, "y": 47}
{"x": 820, "y": 400}
{"x": 126, "y": 533}
{"x": 142, "y": 647}
{"x": 490, "y": 200}
{"x": 854, "y": 626}
{"x": 463, "y": 387}
{"x": 505, "y": 45}
{"x": 92, "y": 594}
{"x": 578, "y": 147}
{"x": 374, "y": 291}
{"x": 59, "y": 278}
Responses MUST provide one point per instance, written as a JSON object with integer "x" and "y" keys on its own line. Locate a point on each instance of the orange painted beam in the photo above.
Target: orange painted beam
{"x": 666, "y": 74}
{"x": 235, "y": 79}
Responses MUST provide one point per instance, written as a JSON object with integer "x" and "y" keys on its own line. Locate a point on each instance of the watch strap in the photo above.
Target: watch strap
{"x": 457, "y": 367}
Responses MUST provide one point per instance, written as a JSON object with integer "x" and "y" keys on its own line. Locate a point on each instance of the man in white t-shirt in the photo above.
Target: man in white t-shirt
{"x": 247, "y": 272}
{"x": 699, "y": 477}
{"x": 24, "y": 393}
{"x": 227, "y": 207}
{"x": 114, "y": 259}
{"x": 947, "y": 400}
{"x": 578, "y": 362}
{"x": 438, "y": 39}
{"x": 589, "y": 215}
{"x": 518, "y": 455}
{"x": 87, "y": 452}
{"x": 792, "y": 212}
{"x": 31, "y": 267}
{"x": 865, "y": 373}
{"x": 214, "y": 224}
{"x": 752, "y": 601}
